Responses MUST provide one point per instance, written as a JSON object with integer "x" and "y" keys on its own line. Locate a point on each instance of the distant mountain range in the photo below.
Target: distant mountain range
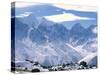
{"x": 49, "y": 43}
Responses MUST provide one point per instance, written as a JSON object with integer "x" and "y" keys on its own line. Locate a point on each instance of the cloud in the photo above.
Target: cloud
{"x": 25, "y": 4}
{"x": 76, "y": 7}
{"x": 25, "y": 14}
{"x": 66, "y": 17}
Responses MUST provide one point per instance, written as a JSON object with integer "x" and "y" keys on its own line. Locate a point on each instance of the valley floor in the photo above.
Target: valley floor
{"x": 64, "y": 67}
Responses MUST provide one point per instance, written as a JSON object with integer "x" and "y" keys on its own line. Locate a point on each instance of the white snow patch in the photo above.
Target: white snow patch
{"x": 79, "y": 49}
{"x": 94, "y": 30}
{"x": 65, "y": 17}
{"x": 25, "y": 14}
{"x": 88, "y": 58}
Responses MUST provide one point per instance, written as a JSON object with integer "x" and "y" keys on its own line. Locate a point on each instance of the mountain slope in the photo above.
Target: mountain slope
{"x": 90, "y": 59}
{"x": 47, "y": 54}
{"x": 51, "y": 43}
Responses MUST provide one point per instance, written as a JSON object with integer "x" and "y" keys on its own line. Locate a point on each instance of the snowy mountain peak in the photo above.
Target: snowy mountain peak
{"x": 77, "y": 26}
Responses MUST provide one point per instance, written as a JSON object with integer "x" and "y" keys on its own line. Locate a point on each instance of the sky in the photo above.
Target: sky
{"x": 59, "y": 13}
{"x": 77, "y": 2}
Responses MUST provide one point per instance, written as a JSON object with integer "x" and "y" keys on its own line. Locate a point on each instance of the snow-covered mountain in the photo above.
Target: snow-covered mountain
{"x": 91, "y": 59}
{"x": 51, "y": 43}
{"x": 47, "y": 54}
{"x": 84, "y": 38}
